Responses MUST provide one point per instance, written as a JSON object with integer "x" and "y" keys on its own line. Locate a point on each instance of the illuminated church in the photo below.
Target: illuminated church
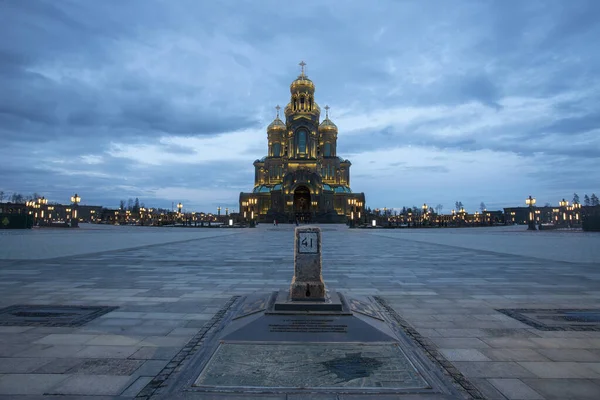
{"x": 302, "y": 176}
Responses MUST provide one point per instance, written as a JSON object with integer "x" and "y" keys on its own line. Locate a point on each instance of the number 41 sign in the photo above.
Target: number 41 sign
{"x": 308, "y": 242}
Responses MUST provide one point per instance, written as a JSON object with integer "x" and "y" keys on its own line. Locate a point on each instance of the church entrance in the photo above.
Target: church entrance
{"x": 302, "y": 204}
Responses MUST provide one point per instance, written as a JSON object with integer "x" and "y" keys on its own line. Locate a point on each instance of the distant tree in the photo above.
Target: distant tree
{"x": 586, "y": 200}
{"x": 575, "y": 198}
{"x": 439, "y": 208}
{"x": 130, "y": 204}
{"x": 35, "y": 196}
{"x": 403, "y": 210}
{"x": 431, "y": 210}
{"x": 482, "y": 206}
{"x": 143, "y": 205}
{"x": 136, "y": 205}
{"x": 17, "y": 198}
{"x": 594, "y": 200}
{"x": 458, "y": 205}
{"x": 1, "y": 196}
{"x": 547, "y": 205}
{"x": 122, "y": 205}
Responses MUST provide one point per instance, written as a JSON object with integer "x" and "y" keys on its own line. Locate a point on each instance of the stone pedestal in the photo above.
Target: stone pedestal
{"x": 307, "y": 283}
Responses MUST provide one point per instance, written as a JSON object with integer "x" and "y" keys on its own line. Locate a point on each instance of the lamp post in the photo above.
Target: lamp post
{"x": 530, "y": 201}
{"x": 564, "y": 204}
{"x": 30, "y": 204}
{"x": 577, "y": 209}
{"x": 453, "y": 217}
{"x": 42, "y": 202}
{"x": 425, "y": 208}
{"x": 75, "y": 218}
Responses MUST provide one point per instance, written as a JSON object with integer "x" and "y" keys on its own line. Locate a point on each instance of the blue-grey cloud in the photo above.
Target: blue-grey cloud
{"x": 79, "y": 79}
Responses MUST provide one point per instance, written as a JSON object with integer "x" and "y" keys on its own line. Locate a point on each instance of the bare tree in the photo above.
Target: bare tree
{"x": 482, "y": 206}
{"x": 122, "y": 205}
{"x": 1, "y": 195}
{"x": 17, "y": 198}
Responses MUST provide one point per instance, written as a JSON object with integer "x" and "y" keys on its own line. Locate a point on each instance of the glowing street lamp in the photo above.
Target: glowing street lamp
{"x": 530, "y": 201}
{"x": 75, "y": 199}
{"x": 425, "y": 208}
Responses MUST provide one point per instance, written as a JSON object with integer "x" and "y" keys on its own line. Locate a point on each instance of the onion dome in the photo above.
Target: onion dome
{"x": 302, "y": 83}
{"x": 327, "y": 124}
{"x": 277, "y": 123}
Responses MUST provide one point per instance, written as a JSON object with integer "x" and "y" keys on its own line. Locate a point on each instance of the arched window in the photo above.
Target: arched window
{"x": 327, "y": 152}
{"x": 276, "y": 150}
{"x": 302, "y": 141}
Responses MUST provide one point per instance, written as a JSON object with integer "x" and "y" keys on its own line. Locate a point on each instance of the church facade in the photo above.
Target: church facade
{"x": 302, "y": 177}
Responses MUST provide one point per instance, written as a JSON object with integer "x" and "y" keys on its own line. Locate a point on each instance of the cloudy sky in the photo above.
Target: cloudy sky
{"x": 168, "y": 101}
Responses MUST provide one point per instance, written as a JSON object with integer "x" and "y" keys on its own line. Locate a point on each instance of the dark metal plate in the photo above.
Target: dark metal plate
{"x": 32, "y": 315}
{"x": 311, "y": 365}
{"x": 557, "y": 319}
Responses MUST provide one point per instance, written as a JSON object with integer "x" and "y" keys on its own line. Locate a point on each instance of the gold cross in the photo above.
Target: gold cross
{"x": 302, "y": 64}
{"x": 327, "y": 112}
{"x": 278, "y": 108}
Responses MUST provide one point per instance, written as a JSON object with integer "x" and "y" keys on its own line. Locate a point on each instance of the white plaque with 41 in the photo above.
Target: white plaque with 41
{"x": 308, "y": 242}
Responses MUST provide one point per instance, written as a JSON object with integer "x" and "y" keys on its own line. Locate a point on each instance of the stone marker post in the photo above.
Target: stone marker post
{"x": 307, "y": 283}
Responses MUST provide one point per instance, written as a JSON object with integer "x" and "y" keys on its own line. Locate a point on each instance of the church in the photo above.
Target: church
{"x": 302, "y": 177}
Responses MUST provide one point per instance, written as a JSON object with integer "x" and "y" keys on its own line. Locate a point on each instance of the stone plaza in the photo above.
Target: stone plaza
{"x": 469, "y": 299}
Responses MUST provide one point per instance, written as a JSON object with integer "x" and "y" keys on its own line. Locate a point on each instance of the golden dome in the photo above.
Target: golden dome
{"x": 327, "y": 124}
{"x": 277, "y": 124}
{"x": 302, "y": 83}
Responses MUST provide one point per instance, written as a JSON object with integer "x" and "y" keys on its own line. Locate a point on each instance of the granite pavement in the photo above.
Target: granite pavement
{"x": 169, "y": 283}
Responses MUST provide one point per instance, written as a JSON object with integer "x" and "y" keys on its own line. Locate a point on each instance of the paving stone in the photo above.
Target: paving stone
{"x": 155, "y": 353}
{"x": 459, "y": 343}
{"x": 189, "y": 332}
{"x": 21, "y": 365}
{"x": 65, "y": 339}
{"x": 514, "y": 355}
{"x": 50, "y": 351}
{"x": 136, "y": 386}
{"x": 58, "y": 365}
{"x": 115, "y": 340}
{"x": 164, "y": 341}
{"x": 493, "y": 369}
{"x": 438, "y": 289}
{"x": 561, "y": 389}
{"x": 106, "y": 366}
{"x": 91, "y": 385}
{"x": 460, "y": 333}
{"x": 8, "y": 350}
{"x": 570, "y": 355}
{"x": 463, "y": 355}
{"x": 105, "y": 352}
{"x": 151, "y": 367}
{"x": 560, "y": 369}
{"x": 21, "y": 384}
{"x": 515, "y": 389}
{"x": 489, "y": 391}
